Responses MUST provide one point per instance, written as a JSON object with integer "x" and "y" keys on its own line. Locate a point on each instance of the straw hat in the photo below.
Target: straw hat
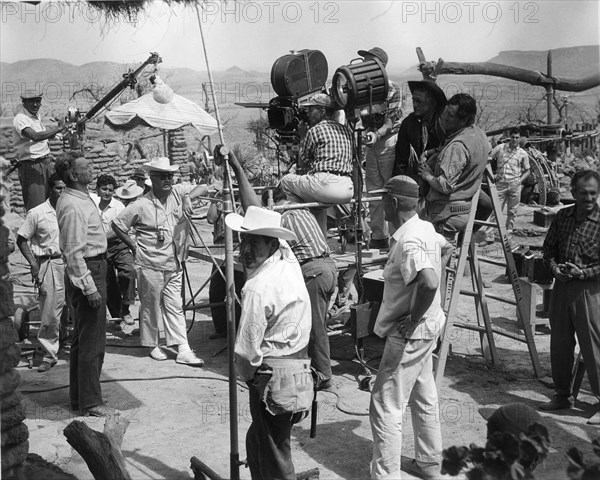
{"x": 259, "y": 221}
{"x": 129, "y": 190}
{"x": 160, "y": 164}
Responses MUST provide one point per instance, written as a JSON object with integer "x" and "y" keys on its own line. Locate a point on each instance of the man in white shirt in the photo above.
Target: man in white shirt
{"x": 271, "y": 348}
{"x": 120, "y": 276}
{"x": 38, "y": 241}
{"x": 411, "y": 320}
{"x": 30, "y": 140}
{"x": 512, "y": 168}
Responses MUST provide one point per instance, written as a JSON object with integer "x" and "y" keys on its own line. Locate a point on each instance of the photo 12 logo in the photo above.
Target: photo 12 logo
{"x": 472, "y": 12}
{"x": 271, "y": 12}
{"x": 54, "y": 12}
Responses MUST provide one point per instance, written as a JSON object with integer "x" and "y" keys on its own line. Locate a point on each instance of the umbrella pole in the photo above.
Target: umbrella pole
{"x": 228, "y": 207}
{"x": 164, "y": 135}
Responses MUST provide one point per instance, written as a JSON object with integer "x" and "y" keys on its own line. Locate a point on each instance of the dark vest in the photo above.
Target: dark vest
{"x": 478, "y": 147}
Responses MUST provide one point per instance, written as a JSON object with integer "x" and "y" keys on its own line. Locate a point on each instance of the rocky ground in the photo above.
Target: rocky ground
{"x": 177, "y": 412}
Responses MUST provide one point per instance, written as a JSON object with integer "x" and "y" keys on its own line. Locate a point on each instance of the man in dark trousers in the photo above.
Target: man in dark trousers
{"x": 571, "y": 250}
{"x": 83, "y": 244}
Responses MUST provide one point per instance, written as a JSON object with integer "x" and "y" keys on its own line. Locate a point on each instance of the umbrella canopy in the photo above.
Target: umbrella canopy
{"x": 147, "y": 112}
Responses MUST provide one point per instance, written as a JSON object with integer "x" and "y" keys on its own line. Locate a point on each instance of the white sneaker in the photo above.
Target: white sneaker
{"x": 189, "y": 358}
{"x": 157, "y": 354}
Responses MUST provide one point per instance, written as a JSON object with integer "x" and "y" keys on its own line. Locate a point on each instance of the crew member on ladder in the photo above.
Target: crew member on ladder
{"x": 458, "y": 168}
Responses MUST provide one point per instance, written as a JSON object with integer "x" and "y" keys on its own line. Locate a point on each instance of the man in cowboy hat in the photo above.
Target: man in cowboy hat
{"x": 30, "y": 140}
{"x": 271, "y": 348}
{"x": 411, "y": 320}
{"x": 139, "y": 175}
{"x": 325, "y": 160}
{"x": 129, "y": 192}
{"x": 380, "y": 140}
{"x": 421, "y": 130}
{"x": 161, "y": 224}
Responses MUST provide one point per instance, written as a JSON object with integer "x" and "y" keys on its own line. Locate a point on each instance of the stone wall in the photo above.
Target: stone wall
{"x": 111, "y": 153}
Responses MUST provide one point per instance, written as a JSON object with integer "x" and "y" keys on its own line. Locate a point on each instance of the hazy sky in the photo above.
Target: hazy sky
{"x": 252, "y": 35}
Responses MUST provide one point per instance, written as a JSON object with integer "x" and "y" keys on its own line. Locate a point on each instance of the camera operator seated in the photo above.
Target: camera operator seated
{"x": 325, "y": 160}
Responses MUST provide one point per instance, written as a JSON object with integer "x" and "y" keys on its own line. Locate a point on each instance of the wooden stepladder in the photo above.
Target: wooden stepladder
{"x": 466, "y": 252}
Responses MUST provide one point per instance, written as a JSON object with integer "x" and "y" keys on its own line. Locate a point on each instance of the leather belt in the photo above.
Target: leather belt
{"x": 306, "y": 260}
{"x": 335, "y": 172}
{"x": 101, "y": 256}
{"x": 49, "y": 257}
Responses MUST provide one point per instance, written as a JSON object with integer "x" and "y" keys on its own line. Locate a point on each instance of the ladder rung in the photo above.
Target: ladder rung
{"x": 501, "y": 299}
{"x": 479, "y": 328}
{"x": 468, "y": 326}
{"x": 469, "y": 293}
{"x": 486, "y": 224}
{"x": 492, "y": 262}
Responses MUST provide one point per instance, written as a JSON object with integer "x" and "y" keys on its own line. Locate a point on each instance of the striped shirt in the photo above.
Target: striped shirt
{"x": 512, "y": 163}
{"x": 393, "y": 111}
{"x": 311, "y": 241}
{"x": 327, "y": 148}
{"x": 577, "y": 243}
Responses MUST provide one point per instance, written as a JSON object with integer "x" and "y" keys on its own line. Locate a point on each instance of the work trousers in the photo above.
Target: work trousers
{"x": 509, "y": 195}
{"x": 88, "y": 341}
{"x": 318, "y": 187}
{"x": 217, "y": 292}
{"x": 320, "y": 277}
{"x": 380, "y": 159}
{"x": 161, "y": 306}
{"x": 575, "y": 310}
{"x": 268, "y": 447}
{"x": 405, "y": 378}
{"x": 52, "y": 302}
{"x": 33, "y": 176}
{"x": 120, "y": 279}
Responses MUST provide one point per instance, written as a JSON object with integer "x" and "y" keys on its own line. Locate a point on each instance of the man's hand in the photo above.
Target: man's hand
{"x": 425, "y": 170}
{"x": 188, "y": 207}
{"x": 35, "y": 273}
{"x": 574, "y": 270}
{"x": 370, "y": 138}
{"x": 94, "y": 299}
{"x": 561, "y": 272}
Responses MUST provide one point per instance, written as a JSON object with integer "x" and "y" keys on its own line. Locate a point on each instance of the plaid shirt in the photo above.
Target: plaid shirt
{"x": 511, "y": 163}
{"x": 311, "y": 241}
{"x": 328, "y": 148}
{"x": 393, "y": 111}
{"x": 568, "y": 241}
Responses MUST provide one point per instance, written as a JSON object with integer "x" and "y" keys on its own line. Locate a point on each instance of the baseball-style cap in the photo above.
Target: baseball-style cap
{"x": 319, "y": 99}
{"x": 376, "y": 52}
{"x": 30, "y": 94}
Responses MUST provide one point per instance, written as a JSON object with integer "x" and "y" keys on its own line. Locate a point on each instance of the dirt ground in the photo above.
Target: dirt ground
{"x": 177, "y": 411}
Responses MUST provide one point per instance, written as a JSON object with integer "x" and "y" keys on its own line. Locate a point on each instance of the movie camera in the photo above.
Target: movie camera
{"x": 360, "y": 89}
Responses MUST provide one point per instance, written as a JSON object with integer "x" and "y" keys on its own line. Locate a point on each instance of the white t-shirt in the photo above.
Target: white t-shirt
{"x": 27, "y": 149}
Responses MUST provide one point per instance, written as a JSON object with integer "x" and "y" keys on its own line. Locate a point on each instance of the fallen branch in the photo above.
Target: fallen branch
{"x": 101, "y": 451}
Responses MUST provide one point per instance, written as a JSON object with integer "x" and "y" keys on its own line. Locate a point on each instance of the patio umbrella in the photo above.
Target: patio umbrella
{"x": 147, "y": 112}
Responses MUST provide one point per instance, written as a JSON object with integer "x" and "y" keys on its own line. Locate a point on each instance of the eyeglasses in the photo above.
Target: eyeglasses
{"x": 163, "y": 176}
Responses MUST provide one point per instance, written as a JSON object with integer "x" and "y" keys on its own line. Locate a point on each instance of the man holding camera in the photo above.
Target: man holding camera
{"x": 30, "y": 140}
{"x": 160, "y": 220}
{"x": 571, "y": 250}
{"x": 325, "y": 156}
{"x": 380, "y": 141}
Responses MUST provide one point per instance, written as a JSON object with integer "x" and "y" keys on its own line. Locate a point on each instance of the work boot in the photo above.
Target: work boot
{"x": 46, "y": 365}
{"x": 595, "y": 418}
{"x": 558, "y": 402}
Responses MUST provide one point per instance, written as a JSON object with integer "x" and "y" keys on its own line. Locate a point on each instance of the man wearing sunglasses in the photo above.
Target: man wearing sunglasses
{"x": 161, "y": 223}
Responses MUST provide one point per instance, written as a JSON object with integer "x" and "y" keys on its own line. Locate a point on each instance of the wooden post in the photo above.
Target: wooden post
{"x": 549, "y": 89}
{"x": 101, "y": 451}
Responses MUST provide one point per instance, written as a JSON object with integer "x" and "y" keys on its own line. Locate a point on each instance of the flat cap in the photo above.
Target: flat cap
{"x": 30, "y": 94}
{"x": 319, "y": 99}
{"x": 376, "y": 52}
{"x": 512, "y": 418}
{"x": 402, "y": 185}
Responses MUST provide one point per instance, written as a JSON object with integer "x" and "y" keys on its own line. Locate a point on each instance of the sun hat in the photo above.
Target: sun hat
{"x": 160, "y": 164}
{"x": 431, "y": 87}
{"x": 259, "y": 221}
{"x": 376, "y": 52}
{"x": 31, "y": 93}
{"x": 129, "y": 190}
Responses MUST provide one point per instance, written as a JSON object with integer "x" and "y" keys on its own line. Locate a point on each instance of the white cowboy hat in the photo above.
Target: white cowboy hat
{"x": 129, "y": 190}
{"x": 160, "y": 164}
{"x": 259, "y": 221}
